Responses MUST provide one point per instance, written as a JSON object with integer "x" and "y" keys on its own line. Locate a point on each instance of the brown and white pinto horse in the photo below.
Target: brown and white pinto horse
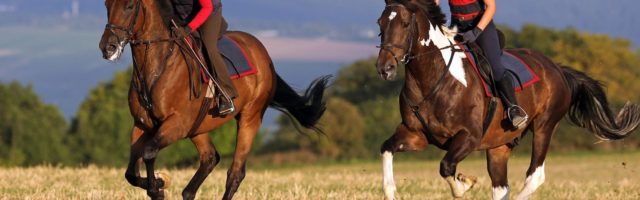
{"x": 442, "y": 103}
{"x": 165, "y": 110}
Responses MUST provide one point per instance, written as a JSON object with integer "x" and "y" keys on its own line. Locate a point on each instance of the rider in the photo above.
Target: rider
{"x": 206, "y": 16}
{"x": 474, "y": 18}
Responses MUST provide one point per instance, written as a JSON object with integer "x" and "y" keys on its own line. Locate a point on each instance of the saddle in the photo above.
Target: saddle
{"x": 235, "y": 58}
{"x": 519, "y": 70}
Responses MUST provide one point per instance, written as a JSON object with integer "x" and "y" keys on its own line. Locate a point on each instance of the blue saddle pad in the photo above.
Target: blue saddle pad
{"x": 235, "y": 58}
{"x": 525, "y": 75}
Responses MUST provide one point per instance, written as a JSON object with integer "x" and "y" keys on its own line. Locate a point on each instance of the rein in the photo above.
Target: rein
{"x": 141, "y": 88}
{"x": 408, "y": 57}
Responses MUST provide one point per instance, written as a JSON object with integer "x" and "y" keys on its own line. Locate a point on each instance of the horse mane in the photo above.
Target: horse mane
{"x": 433, "y": 11}
{"x": 429, "y": 7}
{"x": 165, "y": 7}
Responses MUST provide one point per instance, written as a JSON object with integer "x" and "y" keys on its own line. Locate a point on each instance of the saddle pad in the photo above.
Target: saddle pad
{"x": 512, "y": 63}
{"x": 238, "y": 65}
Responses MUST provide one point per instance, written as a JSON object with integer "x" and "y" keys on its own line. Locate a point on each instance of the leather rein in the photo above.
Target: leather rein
{"x": 141, "y": 88}
{"x": 409, "y": 56}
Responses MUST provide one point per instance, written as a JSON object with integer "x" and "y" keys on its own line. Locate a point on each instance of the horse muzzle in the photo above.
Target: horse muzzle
{"x": 111, "y": 48}
{"x": 387, "y": 70}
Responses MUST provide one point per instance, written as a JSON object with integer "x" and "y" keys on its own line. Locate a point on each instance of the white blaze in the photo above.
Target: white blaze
{"x": 392, "y": 15}
{"x": 387, "y": 180}
{"x": 532, "y": 183}
{"x": 441, "y": 40}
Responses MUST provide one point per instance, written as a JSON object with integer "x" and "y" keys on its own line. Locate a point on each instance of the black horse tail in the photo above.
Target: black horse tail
{"x": 590, "y": 108}
{"x": 306, "y": 109}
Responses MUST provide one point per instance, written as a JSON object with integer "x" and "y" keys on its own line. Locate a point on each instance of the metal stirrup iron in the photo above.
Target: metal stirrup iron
{"x": 517, "y": 121}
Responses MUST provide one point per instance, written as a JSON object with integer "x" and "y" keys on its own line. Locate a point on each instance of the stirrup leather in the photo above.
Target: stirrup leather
{"x": 519, "y": 119}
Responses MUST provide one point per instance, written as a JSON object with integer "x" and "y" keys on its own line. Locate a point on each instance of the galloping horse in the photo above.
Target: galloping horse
{"x": 442, "y": 106}
{"x": 165, "y": 110}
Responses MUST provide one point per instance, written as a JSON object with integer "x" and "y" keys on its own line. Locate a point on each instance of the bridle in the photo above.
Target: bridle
{"x": 129, "y": 32}
{"x": 406, "y": 58}
{"x": 409, "y": 56}
{"x": 413, "y": 32}
{"x": 140, "y": 85}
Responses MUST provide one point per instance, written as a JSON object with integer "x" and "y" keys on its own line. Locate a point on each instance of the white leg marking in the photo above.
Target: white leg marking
{"x": 532, "y": 183}
{"x": 392, "y": 15}
{"x": 500, "y": 193}
{"x": 387, "y": 180}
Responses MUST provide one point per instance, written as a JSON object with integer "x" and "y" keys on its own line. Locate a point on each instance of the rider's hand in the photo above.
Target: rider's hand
{"x": 185, "y": 31}
{"x": 471, "y": 36}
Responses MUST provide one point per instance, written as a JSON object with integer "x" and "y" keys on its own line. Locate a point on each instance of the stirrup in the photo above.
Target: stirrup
{"x": 518, "y": 120}
{"x": 224, "y": 110}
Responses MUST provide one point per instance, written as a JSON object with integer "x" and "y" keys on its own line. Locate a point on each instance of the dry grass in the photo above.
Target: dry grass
{"x": 568, "y": 177}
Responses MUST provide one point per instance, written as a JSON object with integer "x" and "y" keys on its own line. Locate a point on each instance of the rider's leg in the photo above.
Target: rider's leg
{"x": 490, "y": 44}
{"x": 211, "y": 33}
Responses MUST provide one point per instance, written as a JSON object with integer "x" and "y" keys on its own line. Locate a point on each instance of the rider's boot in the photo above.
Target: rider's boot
{"x": 515, "y": 113}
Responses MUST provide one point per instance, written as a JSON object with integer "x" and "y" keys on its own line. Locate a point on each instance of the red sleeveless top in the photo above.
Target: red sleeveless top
{"x": 465, "y": 10}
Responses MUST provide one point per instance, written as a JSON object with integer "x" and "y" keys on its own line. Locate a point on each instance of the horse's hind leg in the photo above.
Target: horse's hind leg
{"x": 462, "y": 144}
{"x": 209, "y": 158}
{"x": 535, "y": 174}
{"x": 404, "y": 139}
{"x": 248, "y": 126}
{"x": 497, "y": 165}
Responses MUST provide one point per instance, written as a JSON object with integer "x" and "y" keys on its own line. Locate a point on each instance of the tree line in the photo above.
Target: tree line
{"x": 362, "y": 113}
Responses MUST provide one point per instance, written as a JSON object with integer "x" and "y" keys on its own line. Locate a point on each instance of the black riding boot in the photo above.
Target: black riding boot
{"x": 515, "y": 113}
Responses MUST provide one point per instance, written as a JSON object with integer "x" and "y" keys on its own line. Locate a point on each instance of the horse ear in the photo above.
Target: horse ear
{"x": 388, "y": 1}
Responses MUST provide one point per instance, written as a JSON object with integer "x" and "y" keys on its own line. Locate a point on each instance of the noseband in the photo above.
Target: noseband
{"x": 406, "y": 58}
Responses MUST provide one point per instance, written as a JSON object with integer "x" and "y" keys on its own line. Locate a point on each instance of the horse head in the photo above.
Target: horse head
{"x": 122, "y": 26}
{"x": 409, "y": 29}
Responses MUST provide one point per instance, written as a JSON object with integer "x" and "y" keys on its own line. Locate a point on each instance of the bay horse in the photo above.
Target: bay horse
{"x": 443, "y": 103}
{"x": 165, "y": 110}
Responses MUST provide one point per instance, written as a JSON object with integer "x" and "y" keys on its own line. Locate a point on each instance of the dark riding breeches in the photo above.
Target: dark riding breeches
{"x": 490, "y": 44}
{"x": 211, "y": 32}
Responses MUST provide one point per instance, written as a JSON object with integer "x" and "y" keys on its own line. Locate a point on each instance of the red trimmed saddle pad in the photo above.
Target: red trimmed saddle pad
{"x": 525, "y": 75}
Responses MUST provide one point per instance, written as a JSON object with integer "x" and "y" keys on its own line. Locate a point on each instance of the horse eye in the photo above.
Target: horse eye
{"x": 129, "y": 7}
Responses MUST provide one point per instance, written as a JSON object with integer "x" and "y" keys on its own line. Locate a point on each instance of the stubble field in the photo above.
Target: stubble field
{"x": 602, "y": 176}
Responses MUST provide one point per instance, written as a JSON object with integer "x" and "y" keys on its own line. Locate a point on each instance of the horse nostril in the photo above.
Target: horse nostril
{"x": 389, "y": 67}
{"x": 112, "y": 47}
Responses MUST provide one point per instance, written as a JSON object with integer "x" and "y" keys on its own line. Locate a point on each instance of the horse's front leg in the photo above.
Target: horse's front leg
{"x": 402, "y": 140}
{"x": 169, "y": 132}
{"x": 138, "y": 140}
{"x": 461, "y": 145}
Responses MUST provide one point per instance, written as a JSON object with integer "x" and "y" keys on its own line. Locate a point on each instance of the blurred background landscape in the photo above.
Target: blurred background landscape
{"x": 61, "y": 103}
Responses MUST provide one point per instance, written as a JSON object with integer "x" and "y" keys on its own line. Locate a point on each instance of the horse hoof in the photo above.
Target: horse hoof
{"x": 467, "y": 181}
{"x": 166, "y": 180}
{"x": 460, "y": 184}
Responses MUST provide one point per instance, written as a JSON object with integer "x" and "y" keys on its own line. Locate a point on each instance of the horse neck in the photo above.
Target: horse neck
{"x": 151, "y": 59}
{"x": 426, "y": 70}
